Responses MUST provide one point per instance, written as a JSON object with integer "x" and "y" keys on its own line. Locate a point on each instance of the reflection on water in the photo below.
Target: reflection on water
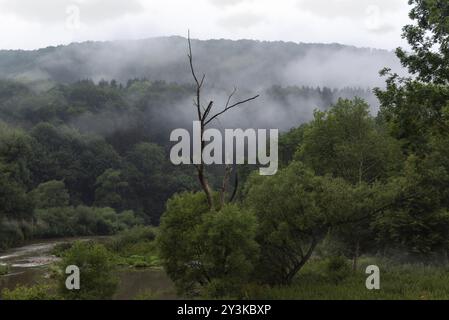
{"x": 29, "y": 266}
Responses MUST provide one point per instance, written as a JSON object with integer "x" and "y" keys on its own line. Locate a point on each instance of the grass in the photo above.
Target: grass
{"x": 135, "y": 248}
{"x": 4, "y": 269}
{"x": 397, "y": 282}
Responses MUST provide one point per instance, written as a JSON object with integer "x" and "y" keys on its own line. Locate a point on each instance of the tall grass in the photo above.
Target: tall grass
{"x": 398, "y": 282}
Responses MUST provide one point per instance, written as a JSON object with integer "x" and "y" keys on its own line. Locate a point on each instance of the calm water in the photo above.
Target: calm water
{"x": 29, "y": 265}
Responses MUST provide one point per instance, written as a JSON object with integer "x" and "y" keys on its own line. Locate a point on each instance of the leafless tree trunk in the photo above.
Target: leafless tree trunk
{"x": 204, "y": 117}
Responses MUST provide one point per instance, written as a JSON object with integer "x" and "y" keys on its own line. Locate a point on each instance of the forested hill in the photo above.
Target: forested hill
{"x": 244, "y": 63}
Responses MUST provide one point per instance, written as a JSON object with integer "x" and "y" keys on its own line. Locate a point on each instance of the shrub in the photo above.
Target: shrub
{"x": 132, "y": 236}
{"x": 82, "y": 221}
{"x": 98, "y": 280}
{"x": 11, "y": 233}
{"x": 59, "y": 249}
{"x": 4, "y": 269}
{"x": 207, "y": 252}
{"x": 39, "y": 292}
{"x": 337, "y": 269}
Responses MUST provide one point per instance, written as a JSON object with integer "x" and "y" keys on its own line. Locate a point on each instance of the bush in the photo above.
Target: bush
{"x": 4, "y": 269}
{"x": 82, "y": 221}
{"x": 39, "y": 292}
{"x": 11, "y": 233}
{"x": 132, "y": 236}
{"x": 207, "y": 252}
{"x": 59, "y": 249}
{"x": 338, "y": 269}
{"x": 98, "y": 280}
{"x": 50, "y": 194}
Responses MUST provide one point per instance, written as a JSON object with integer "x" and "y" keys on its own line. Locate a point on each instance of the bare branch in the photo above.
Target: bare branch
{"x": 229, "y": 108}
{"x": 198, "y": 83}
{"x": 190, "y": 55}
{"x": 230, "y": 97}
{"x": 207, "y": 111}
{"x": 203, "y": 114}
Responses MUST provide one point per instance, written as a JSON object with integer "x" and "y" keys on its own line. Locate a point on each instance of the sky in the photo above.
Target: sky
{"x": 32, "y": 24}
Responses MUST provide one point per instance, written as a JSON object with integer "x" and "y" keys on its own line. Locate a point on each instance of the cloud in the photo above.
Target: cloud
{"x": 357, "y": 9}
{"x": 228, "y": 3}
{"x": 375, "y": 15}
{"x": 240, "y": 20}
{"x": 92, "y": 11}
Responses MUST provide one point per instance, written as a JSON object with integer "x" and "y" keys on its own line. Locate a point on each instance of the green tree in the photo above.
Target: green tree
{"x": 50, "y": 194}
{"x": 207, "y": 252}
{"x": 416, "y": 109}
{"x": 295, "y": 209}
{"x": 110, "y": 188}
{"x": 347, "y": 142}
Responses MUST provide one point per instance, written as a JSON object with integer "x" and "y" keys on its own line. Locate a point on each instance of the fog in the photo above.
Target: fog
{"x": 251, "y": 66}
{"x": 246, "y": 64}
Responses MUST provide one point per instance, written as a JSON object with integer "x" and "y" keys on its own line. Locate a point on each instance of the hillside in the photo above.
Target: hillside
{"x": 245, "y": 63}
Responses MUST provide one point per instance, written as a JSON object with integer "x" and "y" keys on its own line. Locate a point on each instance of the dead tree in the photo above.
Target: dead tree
{"x": 205, "y": 118}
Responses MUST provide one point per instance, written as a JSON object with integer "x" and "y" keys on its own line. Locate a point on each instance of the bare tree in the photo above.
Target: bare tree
{"x": 205, "y": 118}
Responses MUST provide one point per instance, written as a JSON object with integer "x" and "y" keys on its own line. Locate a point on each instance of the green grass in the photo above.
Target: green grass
{"x": 135, "y": 248}
{"x": 37, "y": 292}
{"x": 4, "y": 270}
{"x": 398, "y": 282}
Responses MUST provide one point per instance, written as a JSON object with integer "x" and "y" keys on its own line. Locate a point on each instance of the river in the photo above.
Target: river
{"x": 28, "y": 265}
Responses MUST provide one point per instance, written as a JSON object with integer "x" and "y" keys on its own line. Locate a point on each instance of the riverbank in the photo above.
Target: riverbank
{"x": 139, "y": 275}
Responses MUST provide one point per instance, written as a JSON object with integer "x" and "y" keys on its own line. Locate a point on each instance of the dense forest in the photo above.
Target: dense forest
{"x": 355, "y": 187}
{"x": 100, "y": 145}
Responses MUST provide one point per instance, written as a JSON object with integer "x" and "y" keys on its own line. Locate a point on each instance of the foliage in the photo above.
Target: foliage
{"x": 51, "y": 194}
{"x": 203, "y": 251}
{"x": 398, "y": 282}
{"x": 135, "y": 247}
{"x": 38, "y": 292}
{"x": 294, "y": 214}
{"x": 82, "y": 221}
{"x": 337, "y": 269}
{"x": 4, "y": 270}
{"x": 415, "y": 109}
{"x": 110, "y": 188}
{"x": 97, "y": 278}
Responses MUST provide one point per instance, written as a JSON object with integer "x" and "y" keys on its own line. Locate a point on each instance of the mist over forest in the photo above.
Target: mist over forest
{"x": 310, "y": 76}
{"x": 361, "y": 186}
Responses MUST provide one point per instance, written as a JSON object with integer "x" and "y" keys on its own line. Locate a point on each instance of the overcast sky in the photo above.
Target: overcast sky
{"x": 31, "y": 24}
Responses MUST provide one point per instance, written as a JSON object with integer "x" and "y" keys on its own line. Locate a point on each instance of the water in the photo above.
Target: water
{"x": 29, "y": 266}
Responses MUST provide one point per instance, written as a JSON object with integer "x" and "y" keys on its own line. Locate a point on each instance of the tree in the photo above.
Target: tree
{"x": 414, "y": 106}
{"x": 419, "y": 227}
{"x": 14, "y": 202}
{"x": 50, "y": 194}
{"x": 205, "y": 117}
{"x": 207, "y": 252}
{"x": 148, "y": 180}
{"x": 346, "y": 142}
{"x": 429, "y": 41}
{"x": 416, "y": 111}
{"x": 110, "y": 188}
{"x": 295, "y": 209}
